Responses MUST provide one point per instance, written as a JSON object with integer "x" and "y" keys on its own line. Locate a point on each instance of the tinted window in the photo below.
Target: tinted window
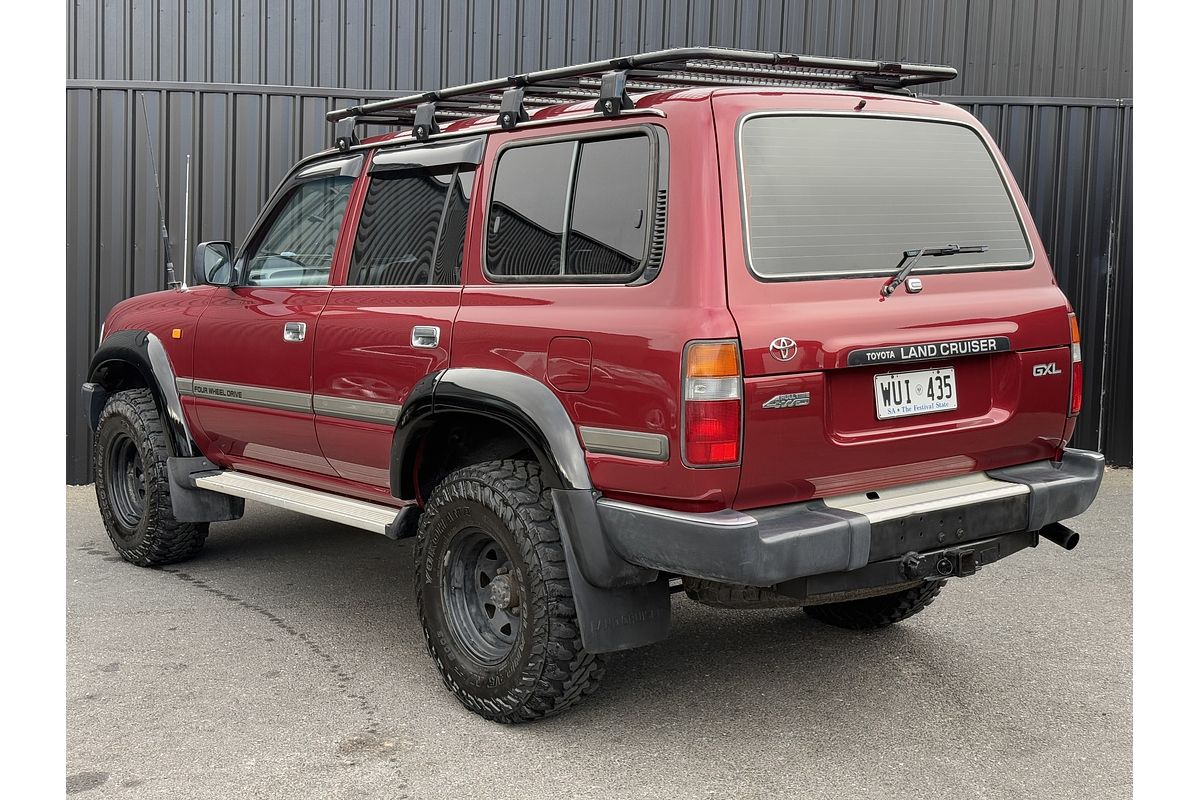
{"x": 397, "y": 240}
{"x": 608, "y": 184}
{"x": 296, "y": 247}
{"x": 608, "y": 218}
{"x": 525, "y": 223}
{"x": 448, "y": 266}
{"x": 851, "y": 194}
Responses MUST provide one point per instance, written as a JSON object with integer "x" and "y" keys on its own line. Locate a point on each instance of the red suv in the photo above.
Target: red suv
{"x": 764, "y": 328}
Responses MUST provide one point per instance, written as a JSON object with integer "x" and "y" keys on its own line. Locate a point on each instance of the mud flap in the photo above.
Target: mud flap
{"x": 621, "y": 618}
{"x": 192, "y": 504}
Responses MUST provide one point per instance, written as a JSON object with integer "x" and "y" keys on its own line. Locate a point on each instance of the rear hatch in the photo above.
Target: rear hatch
{"x": 966, "y": 368}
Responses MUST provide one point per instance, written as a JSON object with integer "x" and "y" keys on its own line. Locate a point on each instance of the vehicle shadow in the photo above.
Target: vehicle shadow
{"x": 716, "y": 663}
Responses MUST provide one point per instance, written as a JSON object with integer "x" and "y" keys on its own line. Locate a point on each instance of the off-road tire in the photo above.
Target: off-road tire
{"x": 734, "y": 595}
{"x": 150, "y": 536}
{"x": 547, "y": 670}
{"x": 877, "y": 612}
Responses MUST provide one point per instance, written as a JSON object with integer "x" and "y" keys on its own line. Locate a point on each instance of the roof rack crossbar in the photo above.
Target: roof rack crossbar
{"x": 607, "y": 84}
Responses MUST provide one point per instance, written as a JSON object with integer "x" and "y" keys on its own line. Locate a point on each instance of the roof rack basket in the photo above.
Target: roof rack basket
{"x": 607, "y": 84}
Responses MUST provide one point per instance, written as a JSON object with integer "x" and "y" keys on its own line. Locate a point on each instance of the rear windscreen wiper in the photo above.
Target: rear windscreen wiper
{"x": 910, "y": 258}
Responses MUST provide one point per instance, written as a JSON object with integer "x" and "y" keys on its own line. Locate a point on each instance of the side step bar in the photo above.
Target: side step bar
{"x": 335, "y": 508}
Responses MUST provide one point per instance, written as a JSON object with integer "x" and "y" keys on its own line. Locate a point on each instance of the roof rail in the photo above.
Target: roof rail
{"x": 608, "y": 83}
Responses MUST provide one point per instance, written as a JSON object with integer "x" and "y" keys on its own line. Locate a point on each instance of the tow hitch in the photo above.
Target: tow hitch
{"x": 946, "y": 564}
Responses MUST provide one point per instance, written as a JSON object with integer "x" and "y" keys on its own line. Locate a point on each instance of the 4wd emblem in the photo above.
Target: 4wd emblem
{"x": 784, "y": 349}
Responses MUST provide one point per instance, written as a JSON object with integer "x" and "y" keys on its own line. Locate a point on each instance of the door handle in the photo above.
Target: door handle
{"x": 294, "y": 331}
{"x": 426, "y": 336}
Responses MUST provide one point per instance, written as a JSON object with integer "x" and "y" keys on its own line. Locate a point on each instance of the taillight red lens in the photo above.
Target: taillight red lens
{"x": 712, "y": 403}
{"x": 713, "y": 431}
{"x": 1076, "y": 387}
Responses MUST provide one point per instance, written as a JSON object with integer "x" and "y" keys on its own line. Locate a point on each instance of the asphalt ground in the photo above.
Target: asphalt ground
{"x": 286, "y": 661}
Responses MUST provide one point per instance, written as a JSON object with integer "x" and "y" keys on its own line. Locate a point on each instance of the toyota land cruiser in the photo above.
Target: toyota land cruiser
{"x": 764, "y": 328}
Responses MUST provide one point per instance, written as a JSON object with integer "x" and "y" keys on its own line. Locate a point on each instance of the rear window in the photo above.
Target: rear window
{"x": 829, "y": 195}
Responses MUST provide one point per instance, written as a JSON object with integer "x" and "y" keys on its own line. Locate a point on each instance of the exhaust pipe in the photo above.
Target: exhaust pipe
{"x": 1061, "y": 535}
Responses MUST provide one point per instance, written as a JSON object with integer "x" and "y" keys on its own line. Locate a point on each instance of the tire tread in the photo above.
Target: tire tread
{"x": 167, "y": 540}
{"x": 515, "y": 491}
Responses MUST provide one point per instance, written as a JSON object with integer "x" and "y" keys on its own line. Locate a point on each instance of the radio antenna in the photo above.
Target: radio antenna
{"x": 162, "y": 217}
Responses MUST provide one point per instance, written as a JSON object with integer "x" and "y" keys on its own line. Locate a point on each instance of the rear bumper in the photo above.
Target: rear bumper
{"x": 997, "y": 514}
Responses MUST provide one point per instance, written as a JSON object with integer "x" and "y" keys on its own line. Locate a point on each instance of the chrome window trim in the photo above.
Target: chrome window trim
{"x": 865, "y": 273}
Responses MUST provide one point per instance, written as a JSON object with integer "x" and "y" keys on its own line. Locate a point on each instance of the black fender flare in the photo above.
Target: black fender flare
{"x": 620, "y": 605}
{"x": 537, "y": 415}
{"x": 144, "y": 352}
{"x": 523, "y": 403}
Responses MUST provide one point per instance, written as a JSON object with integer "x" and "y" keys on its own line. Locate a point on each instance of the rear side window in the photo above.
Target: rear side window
{"x": 571, "y": 211}
{"x": 609, "y": 216}
{"x": 829, "y": 195}
{"x": 411, "y": 229}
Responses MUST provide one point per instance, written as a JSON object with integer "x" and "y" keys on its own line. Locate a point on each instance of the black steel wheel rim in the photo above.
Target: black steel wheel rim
{"x": 482, "y": 597}
{"x": 126, "y": 481}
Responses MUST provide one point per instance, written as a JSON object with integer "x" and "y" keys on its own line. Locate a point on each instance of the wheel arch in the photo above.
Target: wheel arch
{"x": 136, "y": 359}
{"x": 504, "y": 413}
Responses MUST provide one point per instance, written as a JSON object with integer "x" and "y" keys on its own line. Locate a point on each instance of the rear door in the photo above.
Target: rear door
{"x": 389, "y": 322}
{"x": 252, "y": 380}
{"x": 848, "y": 390}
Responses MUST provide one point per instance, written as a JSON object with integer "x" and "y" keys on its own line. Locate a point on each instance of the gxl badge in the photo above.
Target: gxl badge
{"x": 1042, "y": 370}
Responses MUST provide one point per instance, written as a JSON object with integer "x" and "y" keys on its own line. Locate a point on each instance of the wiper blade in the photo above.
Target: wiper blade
{"x": 910, "y": 258}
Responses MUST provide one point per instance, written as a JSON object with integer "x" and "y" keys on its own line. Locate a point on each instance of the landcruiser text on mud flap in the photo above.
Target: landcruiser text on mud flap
{"x": 764, "y": 328}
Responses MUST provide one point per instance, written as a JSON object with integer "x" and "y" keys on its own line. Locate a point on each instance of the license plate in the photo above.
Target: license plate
{"x": 904, "y": 394}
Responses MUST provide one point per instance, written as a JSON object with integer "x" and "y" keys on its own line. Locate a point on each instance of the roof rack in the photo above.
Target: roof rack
{"x": 609, "y": 82}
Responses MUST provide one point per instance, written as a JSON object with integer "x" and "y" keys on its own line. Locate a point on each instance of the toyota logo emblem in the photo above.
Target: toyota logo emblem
{"x": 784, "y": 349}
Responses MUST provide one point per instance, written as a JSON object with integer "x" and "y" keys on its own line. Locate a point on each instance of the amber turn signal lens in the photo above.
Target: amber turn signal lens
{"x": 712, "y": 360}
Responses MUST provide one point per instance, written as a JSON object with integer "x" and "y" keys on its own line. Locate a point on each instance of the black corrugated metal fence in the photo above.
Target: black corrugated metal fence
{"x": 199, "y": 63}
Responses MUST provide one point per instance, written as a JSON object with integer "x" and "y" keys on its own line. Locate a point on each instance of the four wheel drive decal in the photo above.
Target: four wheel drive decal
{"x": 322, "y": 405}
{"x": 794, "y": 400}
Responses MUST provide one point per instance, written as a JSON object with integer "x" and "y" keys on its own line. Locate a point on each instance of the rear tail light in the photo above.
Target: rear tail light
{"x": 1076, "y": 367}
{"x": 712, "y": 404}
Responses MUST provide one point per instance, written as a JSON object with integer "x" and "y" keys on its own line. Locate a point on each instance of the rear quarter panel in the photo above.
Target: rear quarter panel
{"x": 637, "y": 333}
